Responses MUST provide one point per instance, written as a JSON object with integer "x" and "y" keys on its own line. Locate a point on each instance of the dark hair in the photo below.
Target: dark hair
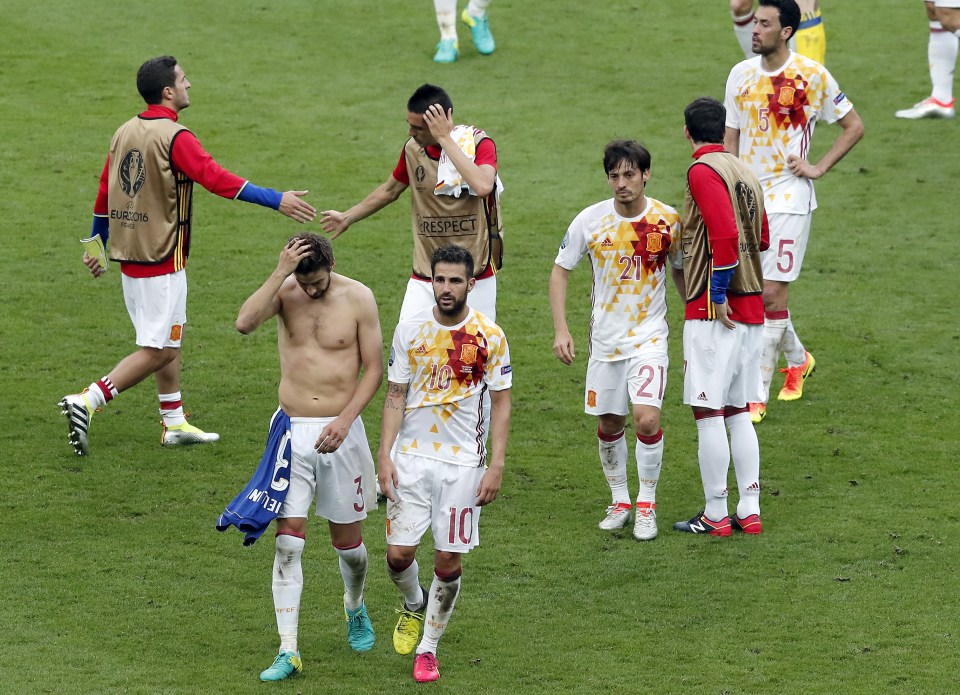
{"x": 426, "y": 96}
{"x": 629, "y": 151}
{"x": 154, "y": 75}
{"x": 789, "y": 13}
{"x": 705, "y": 118}
{"x": 321, "y": 253}
{"x": 453, "y": 254}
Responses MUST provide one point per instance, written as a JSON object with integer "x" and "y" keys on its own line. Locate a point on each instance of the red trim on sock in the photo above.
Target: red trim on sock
{"x": 453, "y": 576}
{"x": 703, "y": 413}
{"x": 171, "y": 405}
{"x": 398, "y": 568}
{"x": 348, "y": 547}
{"x": 652, "y": 438}
{"x": 287, "y": 532}
{"x": 609, "y": 437}
{"x": 647, "y": 505}
{"x": 106, "y": 388}
{"x": 776, "y": 315}
{"x": 730, "y": 411}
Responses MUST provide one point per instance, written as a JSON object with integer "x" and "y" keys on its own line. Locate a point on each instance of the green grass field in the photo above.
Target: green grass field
{"x": 113, "y": 578}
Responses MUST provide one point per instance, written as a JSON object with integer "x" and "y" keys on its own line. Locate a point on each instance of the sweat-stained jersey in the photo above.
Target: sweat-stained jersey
{"x": 776, "y": 113}
{"x": 448, "y": 370}
{"x": 629, "y": 274}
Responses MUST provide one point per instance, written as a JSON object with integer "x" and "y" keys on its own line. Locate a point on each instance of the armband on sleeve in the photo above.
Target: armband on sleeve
{"x": 100, "y": 228}
{"x": 719, "y": 282}
{"x": 267, "y": 197}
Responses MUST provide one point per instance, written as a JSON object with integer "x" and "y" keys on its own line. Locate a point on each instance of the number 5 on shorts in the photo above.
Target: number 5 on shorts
{"x": 785, "y": 254}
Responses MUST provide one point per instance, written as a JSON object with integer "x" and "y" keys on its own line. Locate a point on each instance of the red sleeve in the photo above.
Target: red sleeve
{"x": 400, "y": 171}
{"x": 486, "y": 153}
{"x": 190, "y": 158}
{"x": 100, "y": 205}
{"x": 713, "y": 199}
{"x": 765, "y": 233}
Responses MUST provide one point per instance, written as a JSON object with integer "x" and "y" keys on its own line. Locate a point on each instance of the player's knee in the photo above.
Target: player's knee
{"x": 446, "y": 563}
{"x": 610, "y": 425}
{"x": 289, "y": 548}
{"x": 647, "y": 424}
{"x": 400, "y": 557}
{"x": 949, "y": 19}
{"x": 775, "y": 296}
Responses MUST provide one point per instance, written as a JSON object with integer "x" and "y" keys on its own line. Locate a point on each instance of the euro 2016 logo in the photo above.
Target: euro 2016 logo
{"x": 131, "y": 172}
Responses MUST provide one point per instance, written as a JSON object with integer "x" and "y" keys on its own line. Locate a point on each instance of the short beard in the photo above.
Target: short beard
{"x": 453, "y": 311}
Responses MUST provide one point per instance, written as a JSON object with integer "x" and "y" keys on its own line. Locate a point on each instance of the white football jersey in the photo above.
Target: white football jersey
{"x": 448, "y": 370}
{"x": 776, "y": 113}
{"x": 628, "y": 258}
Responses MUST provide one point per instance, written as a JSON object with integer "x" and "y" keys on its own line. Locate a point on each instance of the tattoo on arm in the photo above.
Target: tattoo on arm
{"x": 396, "y": 397}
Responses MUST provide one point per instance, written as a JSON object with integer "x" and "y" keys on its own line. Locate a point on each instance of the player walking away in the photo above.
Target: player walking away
{"x": 944, "y": 18}
{"x": 444, "y": 363}
{"x": 454, "y": 195}
{"x": 144, "y": 207}
{"x": 322, "y": 394}
{"x": 628, "y": 239}
{"x": 811, "y": 39}
{"x": 773, "y": 103}
{"x": 474, "y": 15}
{"x": 724, "y": 231}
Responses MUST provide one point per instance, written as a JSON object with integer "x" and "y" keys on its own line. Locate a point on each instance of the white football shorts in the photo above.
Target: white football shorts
{"x": 157, "y": 307}
{"x": 419, "y": 297}
{"x": 788, "y": 245}
{"x": 721, "y": 366}
{"x": 438, "y": 495}
{"x": 639, "y": 380}
{"x": 343, "y": 482}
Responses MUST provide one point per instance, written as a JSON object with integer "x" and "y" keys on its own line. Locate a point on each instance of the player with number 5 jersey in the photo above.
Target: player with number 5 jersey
{"x": 773, "y": 102}
{"x": 445, "y": 363}
{"x": 629, "y": 239}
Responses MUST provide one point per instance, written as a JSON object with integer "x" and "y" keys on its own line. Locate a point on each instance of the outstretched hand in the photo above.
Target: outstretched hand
{"x": 293, "y": 207}
{"x": 334, "y": 223}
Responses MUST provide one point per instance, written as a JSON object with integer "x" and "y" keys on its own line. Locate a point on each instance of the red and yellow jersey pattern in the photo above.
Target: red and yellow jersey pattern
{"x": 776, "y": 113}
{"x": 628, "y": 258}
{"x": 448, "y": 371}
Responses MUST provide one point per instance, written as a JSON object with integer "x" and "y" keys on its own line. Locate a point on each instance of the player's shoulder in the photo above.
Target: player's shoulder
{"x": 484, "y": 324}
{"x": 749, "y": 67}
{"x": 597, "y": 210}
{"x": 661, "y": 209}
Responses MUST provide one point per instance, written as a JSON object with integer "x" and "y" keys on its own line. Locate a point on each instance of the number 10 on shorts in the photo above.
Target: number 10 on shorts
{"x": 461, "y": 525}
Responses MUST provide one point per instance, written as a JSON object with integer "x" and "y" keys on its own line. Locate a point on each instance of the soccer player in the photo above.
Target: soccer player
{"x": 322, "y": 394}
{"x": 811, "y": 39}
{"x": 628, "y": 238}
{"x": 444, "y": 363}
{"x": 474, "y": 15}
{"x": 773, "y": 103}
{"x": 724, "y": 231}
{"x": 454, "y": 196}
{"x": 144, "y": 207}
{"x": 944, "y": 19}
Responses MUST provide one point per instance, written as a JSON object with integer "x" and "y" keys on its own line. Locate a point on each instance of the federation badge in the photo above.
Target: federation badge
{"x": 654, "y": 242}
{"x": 785, "y": 97}
{"x": 468, "y": 353}
{"x": 591, "y": 399}
{"x": 176, "y": 332}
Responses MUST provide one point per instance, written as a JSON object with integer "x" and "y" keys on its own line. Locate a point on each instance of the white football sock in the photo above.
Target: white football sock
{"x": 649, "y": 462}
{"x": 613, "y": 458}
{"x": 743, "y": 30}
{"x": 791, "y": 347}
{"x": 287, "y": 588}
{"x": 713, "y": 454}
{"x": 745, "y": 450}
{"x": 443, "y": 597}
{"x": 353, "y": 569}
{"x": 478, "y": 8}
{"x": 408, "y": 582}
{"x": 446, "y": 18}
{"x": 171, "y": 409}
{"x": 772, "y": 335}
{"x": 942, "y": 54}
